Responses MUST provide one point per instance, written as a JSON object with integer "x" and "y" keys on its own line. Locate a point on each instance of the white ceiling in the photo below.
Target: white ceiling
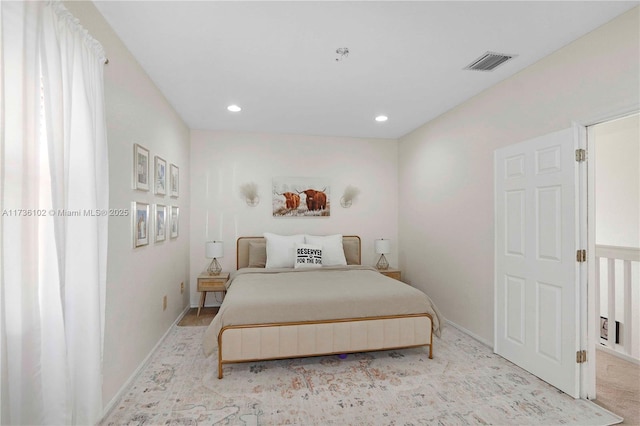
{"x": 277, "y": 60}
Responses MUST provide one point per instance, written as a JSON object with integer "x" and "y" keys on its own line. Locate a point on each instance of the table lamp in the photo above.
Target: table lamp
{"x": 214, "y": 250}
{"x": 382, "y": 247}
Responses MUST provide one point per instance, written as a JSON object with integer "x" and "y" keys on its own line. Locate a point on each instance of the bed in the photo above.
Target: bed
{"x": 283, "y": 312}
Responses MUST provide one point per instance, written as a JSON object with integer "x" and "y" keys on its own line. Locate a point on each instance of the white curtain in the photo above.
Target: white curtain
{"x": 54, "y": 192}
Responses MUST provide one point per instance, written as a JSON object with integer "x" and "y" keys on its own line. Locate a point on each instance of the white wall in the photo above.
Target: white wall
{"x": 137, "y": 279}
{"x": 222, "y": 161}
{"x": 446, "y": 237}
{"x": 617, "y": 202}
{"x": 617, "y": 157}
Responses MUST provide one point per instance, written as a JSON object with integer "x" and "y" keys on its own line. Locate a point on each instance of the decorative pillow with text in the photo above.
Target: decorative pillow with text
{"x": 308, "y": 256}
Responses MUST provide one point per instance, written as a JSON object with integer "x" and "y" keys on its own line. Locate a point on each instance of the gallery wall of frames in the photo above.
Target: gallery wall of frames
{"x": 157, "y": 221}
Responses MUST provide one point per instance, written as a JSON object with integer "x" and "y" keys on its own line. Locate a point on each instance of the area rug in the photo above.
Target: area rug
{"x": 464, "y": 384}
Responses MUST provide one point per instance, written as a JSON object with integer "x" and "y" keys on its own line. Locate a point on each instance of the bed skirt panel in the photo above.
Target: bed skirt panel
{"x": 277, "y": 341}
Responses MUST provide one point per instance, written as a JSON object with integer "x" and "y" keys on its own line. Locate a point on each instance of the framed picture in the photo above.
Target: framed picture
{"x": 140, "y": 167}
{"x": 175, "y": 221}
{"x": 604, "y": 329}
{"x": 160, "y": 172}
{"x": 140, "y": 224}
{"x": 301, "y": 197}
{"x": 174, "y": 181}
{"x": 160, "y": 222}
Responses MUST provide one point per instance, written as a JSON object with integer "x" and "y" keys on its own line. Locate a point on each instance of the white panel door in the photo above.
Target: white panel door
{"x": 536, "y": 275}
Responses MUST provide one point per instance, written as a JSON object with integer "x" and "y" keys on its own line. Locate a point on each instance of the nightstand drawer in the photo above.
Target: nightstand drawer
{"x": 211, "y": 285}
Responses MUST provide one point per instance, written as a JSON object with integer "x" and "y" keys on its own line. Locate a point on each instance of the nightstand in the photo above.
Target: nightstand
{"x": 208, "y": 282}
{"x": 396, "y": 274}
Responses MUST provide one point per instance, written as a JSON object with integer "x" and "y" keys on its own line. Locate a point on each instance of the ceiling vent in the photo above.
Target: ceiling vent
{"x": 489, "y": 61}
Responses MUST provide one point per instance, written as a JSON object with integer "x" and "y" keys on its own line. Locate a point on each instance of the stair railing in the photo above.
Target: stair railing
{"x": 611, "y": 256}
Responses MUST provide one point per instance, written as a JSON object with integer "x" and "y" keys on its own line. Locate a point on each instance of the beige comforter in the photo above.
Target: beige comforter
{"x": 260, "y": 296}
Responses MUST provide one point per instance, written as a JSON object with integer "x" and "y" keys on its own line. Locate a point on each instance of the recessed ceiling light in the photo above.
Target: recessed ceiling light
{"x": 382, "y": 118}
{"x": 234, "y": 108}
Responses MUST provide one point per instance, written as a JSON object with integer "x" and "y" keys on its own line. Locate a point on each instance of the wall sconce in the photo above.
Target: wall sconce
{"x": 350, "y": 193}
{"x": 250, "y": 193}
{"x": 383, "y": 247}
{"x": 214, "y": 250}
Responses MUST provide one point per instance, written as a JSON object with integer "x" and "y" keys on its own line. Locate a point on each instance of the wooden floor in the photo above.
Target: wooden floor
{"x": 191, "y": 319}
{"x": 618, "y": 387}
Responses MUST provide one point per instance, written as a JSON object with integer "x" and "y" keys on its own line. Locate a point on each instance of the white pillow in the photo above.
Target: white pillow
{"x": 332, "y": 249}
{"x": 281, "y": 250}
{"x": 308, "y": 256}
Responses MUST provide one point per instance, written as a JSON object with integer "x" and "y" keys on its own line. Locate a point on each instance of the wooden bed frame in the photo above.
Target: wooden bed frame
{"x": 255, "y": 342}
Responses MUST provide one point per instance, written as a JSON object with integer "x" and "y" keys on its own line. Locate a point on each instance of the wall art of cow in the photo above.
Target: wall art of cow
{"x": 292, "y": 200}
{"x": 300, "y": 196}
{"x": 316, "y": 200}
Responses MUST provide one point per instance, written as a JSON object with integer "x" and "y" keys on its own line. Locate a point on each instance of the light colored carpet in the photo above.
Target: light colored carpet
{"x": 465, "y": 383}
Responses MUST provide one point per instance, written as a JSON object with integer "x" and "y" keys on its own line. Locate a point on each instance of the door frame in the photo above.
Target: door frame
{"x": 589, "y": 328}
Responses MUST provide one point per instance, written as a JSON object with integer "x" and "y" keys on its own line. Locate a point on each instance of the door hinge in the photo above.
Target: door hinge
{"x": 581, "y": 255}
{"x": 581, "y": 357}
{"x": 581, "y": 155}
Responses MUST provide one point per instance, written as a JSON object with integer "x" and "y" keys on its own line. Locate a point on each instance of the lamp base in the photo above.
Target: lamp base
{"x": 214, "y": 267}
{"x": 382, "y": 263}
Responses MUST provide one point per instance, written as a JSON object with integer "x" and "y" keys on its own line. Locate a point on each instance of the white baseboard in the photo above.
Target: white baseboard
{"x": 110, "y": 406}
{"x": 470, "y": 333}
{"x": 620, "y": 355}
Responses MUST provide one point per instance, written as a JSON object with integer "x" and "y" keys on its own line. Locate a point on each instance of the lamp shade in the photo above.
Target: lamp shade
{"x": 383, "y": 246}
{"x": 214, "y": 249}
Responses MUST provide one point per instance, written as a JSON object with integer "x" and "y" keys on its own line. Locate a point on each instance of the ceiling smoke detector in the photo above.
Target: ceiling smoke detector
{"x": 489, "y": 61}
{"x": 343, "y": 52}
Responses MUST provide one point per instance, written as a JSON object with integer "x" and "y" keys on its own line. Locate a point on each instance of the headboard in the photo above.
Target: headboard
{"x": 351, "y": 244}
